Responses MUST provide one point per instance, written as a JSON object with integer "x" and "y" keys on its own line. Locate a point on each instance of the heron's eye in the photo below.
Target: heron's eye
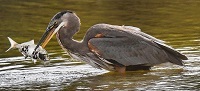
{"x": 55, "y": 23}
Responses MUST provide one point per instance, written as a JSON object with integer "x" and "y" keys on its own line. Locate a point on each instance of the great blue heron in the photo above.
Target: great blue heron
{"x": 112, "y": 47}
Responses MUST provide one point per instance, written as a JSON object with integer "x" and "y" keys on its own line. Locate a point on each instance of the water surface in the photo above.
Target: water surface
{"x": 174, "y": 21}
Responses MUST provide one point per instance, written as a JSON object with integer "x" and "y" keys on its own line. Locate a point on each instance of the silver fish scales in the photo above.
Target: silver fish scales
{"x": 27, "y": 50}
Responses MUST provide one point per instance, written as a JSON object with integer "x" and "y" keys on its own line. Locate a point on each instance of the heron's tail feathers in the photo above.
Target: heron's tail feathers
{"x": 176, "y": 57}
{"x": 12, "y": 44}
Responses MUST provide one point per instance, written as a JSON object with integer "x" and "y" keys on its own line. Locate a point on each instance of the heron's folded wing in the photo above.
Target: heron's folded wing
{"x": 125, "y": 51}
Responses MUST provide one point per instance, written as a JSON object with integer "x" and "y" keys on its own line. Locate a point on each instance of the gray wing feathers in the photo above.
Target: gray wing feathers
{"x": 129, "y": 46}
{"x": 172, "y": 51}
{"x": 135, "y": 30}
{"x": 128, "y": 52}
{"x": 132, "y": 28}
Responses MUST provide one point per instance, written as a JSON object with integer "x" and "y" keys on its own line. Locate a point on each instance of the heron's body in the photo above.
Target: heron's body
{"x": 112, "y": 47}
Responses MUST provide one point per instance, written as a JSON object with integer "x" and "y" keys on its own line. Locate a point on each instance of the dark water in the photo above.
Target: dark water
{"x": 175, "y": 21}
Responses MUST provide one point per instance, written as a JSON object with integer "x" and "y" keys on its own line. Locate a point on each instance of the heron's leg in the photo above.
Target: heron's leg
{"x": 120, "y": 69}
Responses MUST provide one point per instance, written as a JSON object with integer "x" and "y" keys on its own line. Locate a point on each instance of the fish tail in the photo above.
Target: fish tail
{"x": 12, "y": 44}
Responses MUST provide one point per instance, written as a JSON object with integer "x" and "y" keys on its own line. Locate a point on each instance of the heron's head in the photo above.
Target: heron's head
{"x": 64, "y": 20}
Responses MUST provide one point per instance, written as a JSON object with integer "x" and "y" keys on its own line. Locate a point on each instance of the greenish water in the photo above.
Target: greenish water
{"x": 174, "y": 21}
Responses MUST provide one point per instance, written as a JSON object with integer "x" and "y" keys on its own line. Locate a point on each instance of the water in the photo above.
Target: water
{"x": 174, "y": 21}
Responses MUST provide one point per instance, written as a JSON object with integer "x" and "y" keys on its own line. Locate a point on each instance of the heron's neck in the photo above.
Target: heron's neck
{"x": 66, "y": 41}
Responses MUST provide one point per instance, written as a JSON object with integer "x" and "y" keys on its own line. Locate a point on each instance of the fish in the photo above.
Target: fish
{"x": 28, "y": 50}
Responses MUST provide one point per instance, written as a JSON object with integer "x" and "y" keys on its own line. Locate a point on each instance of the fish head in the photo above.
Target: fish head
{"x": 44, "y": 57}
{"x": 40, "y": 54}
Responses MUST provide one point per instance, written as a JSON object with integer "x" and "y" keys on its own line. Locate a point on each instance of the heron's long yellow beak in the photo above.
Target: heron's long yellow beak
{"x": 49, "y": 34}
{"x": 48, "y": 38}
